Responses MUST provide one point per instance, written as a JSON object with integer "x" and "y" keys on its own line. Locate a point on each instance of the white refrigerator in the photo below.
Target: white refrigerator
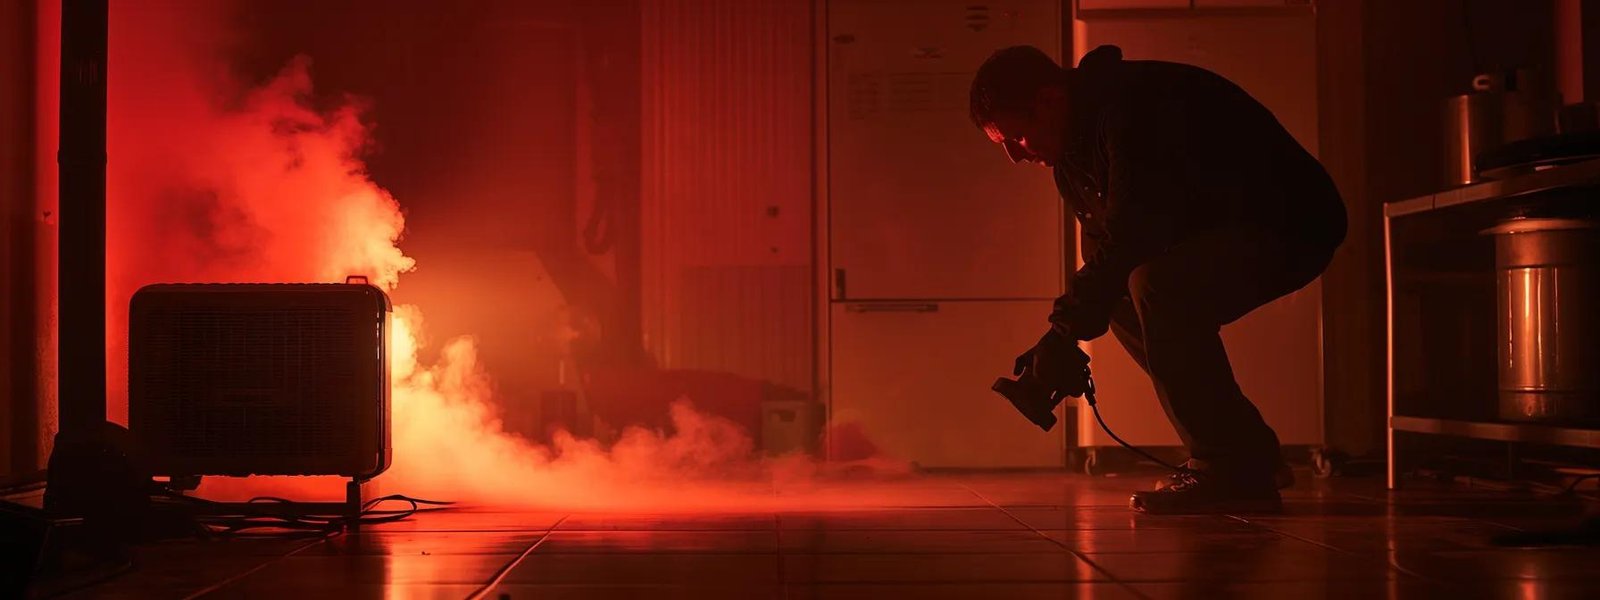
{"x": 942, "y": 257}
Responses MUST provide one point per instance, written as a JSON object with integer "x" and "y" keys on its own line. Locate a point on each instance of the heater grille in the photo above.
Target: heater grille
{"x": 259, "y": 379}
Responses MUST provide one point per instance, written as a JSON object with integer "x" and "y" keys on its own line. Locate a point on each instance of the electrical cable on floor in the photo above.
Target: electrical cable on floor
{"x": 1573, "y": 487}
{"x": 236, "y": 519}
{"x": 1088, "y": 396}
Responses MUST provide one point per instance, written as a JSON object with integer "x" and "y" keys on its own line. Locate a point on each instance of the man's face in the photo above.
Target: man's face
{"x": 1035, "y": 137}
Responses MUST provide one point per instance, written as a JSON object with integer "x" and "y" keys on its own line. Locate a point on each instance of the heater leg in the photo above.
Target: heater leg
{"x": 355, "y": 495}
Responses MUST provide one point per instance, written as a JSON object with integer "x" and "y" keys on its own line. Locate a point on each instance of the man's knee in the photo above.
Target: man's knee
{"x": 1167, "y": 298}
{"x": 1150, "y": 285}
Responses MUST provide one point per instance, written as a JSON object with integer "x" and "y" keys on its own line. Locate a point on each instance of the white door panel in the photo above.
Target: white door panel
{"x": 921, "y": 203}
{"x": 915, "y": 377}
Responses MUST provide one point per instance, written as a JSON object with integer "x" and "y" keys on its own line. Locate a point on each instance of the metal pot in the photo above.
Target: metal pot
{"x": 1549, "y": 336}
{"x": 1501, "y": 108}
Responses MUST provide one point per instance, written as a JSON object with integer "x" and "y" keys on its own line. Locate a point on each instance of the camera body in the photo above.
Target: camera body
{"x": 1030, "y": 397}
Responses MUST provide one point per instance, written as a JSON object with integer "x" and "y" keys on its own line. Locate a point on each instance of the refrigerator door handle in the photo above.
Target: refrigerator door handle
{"x": 893, "y": 307}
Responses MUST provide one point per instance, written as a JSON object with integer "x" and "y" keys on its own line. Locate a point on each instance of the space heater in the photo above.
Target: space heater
{"x": 260, "y": 379}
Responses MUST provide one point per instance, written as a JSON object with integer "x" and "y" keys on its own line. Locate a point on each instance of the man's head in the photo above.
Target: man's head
{"x": 1019, "y": 99}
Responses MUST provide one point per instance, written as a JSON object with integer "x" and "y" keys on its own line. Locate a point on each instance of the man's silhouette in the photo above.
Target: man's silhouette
{"x": 1197, "y": 207}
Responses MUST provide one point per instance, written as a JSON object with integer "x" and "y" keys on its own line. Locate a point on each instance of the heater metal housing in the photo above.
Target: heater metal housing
{"x": 260, "y": 379}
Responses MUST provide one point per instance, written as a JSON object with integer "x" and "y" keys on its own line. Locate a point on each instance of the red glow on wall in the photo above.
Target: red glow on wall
{"x": 213, "y": 179}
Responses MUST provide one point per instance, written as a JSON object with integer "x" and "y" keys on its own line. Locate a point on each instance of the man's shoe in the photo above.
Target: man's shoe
{"x": 1282, "y": 477}
{"x": 1201, "y": 493}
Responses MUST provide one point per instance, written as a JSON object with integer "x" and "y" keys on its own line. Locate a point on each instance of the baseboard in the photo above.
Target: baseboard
{"x": 1106, "y": 460}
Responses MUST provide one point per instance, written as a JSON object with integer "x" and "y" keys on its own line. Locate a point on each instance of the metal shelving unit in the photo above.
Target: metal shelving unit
{"x": 1502, "y": 432}
{"x": 1459, "y": 213}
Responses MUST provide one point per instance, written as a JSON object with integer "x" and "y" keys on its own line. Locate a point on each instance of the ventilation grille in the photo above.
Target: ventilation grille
{"x": 727, "y": 186}
{"x": 219, "y": 386}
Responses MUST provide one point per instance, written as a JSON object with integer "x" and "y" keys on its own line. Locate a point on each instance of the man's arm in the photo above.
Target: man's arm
{"x": 1146, "y": 194}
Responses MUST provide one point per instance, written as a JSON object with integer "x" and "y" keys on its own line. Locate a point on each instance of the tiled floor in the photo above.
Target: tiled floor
{"x": 982, "y": 536}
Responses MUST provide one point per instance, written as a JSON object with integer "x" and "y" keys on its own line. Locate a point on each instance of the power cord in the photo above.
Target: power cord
{"x": 236, "y": 519}
{"x": 1573, "y": 487}
{"x": 1088, "y": 396}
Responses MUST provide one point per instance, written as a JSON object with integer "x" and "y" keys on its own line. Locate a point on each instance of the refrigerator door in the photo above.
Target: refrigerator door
{"x": 921, "y": 203}
{"x": 944, "y": 256}
{"x": 913, "y": 379}
{"x": 1276, "y": 351}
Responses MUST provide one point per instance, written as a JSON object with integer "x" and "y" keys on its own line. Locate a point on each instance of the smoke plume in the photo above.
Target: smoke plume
{"x": 216, "y": 180}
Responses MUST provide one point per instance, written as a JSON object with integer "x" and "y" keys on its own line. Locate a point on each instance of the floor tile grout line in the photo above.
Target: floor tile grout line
{"x": 506, "y": 570}
{"x": 952, "y": 583}
{"x": 777, "y": 534}
{"x": 778, "y": 538}
{"x": 1387, "y": 559}
{"x": 1073, "y": 551}
{"x": 411, "y": 531}
{"x": 1016, "y": 581}
{"x": 224, "y": 583}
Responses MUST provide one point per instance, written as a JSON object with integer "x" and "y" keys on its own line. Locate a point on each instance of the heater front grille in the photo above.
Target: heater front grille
{"x": 258, "y": 379}
{"x": 256, "y": 383}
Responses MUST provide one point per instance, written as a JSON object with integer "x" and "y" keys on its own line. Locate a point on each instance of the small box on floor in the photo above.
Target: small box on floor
{"x": 790, "y": 425}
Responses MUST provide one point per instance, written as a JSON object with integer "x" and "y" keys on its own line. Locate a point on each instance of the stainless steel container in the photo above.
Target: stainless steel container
{"x": 1502, "y": 108}
{"x": 1549, "y": 342}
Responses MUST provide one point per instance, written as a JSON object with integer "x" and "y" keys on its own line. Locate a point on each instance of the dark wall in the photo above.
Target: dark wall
{"x": 473, "y": 104}
{"x": 19, "y": 417}
{"x": 500, "y": 126}
{"x": 1424, "y": 52}
{"x": 1385, "y": 70}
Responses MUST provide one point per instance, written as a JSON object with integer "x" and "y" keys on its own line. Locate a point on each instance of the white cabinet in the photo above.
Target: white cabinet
{"x": 1246, "y": 3}
{"x": 915, "y": 377}
{"x": 922, "y": 204}
{"x": 943, "y": 255}
{"x": 1112, "y": 5}
{"x": 1130, "y": 4}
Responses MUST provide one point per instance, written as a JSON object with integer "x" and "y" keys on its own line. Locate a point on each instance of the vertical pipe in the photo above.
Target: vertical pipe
{"x": 1569, "y": 50}
{"x": 82, "y": 165}
{"x": 822, "y": 262}
{"x": 19, "y": 419}
{"x": 45, "y": 233}
{"x": 626, "y": 189}
{"x": 1392, "y": 469}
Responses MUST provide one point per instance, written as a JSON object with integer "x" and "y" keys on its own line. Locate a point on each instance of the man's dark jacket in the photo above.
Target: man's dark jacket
{"x": 1156, "y": 152}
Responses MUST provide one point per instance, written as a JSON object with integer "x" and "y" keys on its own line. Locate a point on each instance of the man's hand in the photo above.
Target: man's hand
{"x": 1024, "y": 362}
{"x": 1074, "y": 321}
{"x": 1057, "y": 363}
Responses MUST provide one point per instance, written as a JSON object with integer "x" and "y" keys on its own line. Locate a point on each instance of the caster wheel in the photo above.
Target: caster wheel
{"x": 1326, "y": 463}
{"x": 1091, "y": 464}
